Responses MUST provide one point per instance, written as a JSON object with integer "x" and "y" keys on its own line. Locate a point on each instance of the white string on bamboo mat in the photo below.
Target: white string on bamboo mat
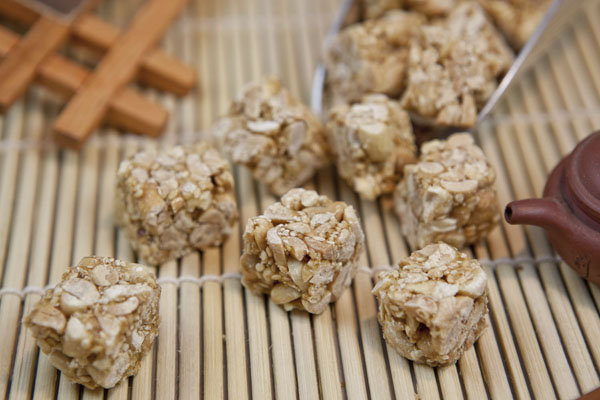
{"x": 200, "y": 281}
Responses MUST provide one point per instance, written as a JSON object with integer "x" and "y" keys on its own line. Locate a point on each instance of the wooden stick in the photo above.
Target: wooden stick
{"x": 18, "y": 68}
{"x": 129, "y": 110}
{"x": 157, "y": 69}
{"x": 87, "y": 108}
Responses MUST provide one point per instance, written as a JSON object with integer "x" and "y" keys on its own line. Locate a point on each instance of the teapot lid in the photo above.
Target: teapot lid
{"x": 583, "y": 176}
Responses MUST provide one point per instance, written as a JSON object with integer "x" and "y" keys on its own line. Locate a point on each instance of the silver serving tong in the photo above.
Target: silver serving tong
{"x": 558, "y": 14}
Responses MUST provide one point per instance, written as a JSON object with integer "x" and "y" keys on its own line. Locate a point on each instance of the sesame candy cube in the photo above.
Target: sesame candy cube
{"x": 453, "y": 68}
{"x": 372, "y": 141}
{"x": 302, "y": 251}
{"x": 99, "y": 321}
{"x": 175, "y": 201}
{"x": 274, "y": 135}
{"x": 371, "y": 56}
{"x": 432, "y": 307}
{"x": 448, "y": 195}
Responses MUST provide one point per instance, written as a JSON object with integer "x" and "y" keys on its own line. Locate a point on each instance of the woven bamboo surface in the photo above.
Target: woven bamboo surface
{"x": 218, "y": 340}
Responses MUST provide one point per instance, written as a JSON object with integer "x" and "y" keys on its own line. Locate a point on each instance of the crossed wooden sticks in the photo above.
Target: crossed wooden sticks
{"x": 100, "y": 94}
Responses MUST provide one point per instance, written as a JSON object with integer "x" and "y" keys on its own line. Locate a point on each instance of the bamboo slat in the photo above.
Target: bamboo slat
{"x": 218, "y": 340}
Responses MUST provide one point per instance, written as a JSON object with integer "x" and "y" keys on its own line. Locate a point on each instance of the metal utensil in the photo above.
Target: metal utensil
{"x": 559, "y": 13}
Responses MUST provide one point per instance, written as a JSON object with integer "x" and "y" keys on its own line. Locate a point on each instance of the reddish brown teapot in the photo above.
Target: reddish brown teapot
{"x": 570, "y": 209}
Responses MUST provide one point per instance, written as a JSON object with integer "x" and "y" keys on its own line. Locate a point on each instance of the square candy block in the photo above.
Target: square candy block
{"x": 372, "y": 141}
{"x": 448, "y": 195}
{"x": 175, "y": 201}
{"x": 274, "y": 135}
{"x": 432, "y": 308}
{"x": 371, "y": 57}
{"x": 453, "y": 68}
{"x": 99, "y": 321}
{"x": 302, "y": 251}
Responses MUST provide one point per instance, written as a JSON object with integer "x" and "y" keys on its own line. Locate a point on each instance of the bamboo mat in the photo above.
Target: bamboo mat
{"x": 216, "y": 339}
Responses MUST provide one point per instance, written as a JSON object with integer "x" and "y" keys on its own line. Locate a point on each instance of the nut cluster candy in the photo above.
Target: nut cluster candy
{"x": 99, "y": 321}
{"x": 448, "y": 195}
{"x": 377, "y": 8}
{"x": 453, "y": 67}
{"x": 370, "y": 57}
{"x": 302, "y": 251}
{"x": 172, "y": 202}
{"x": 433, "y": 306}
{"x": 274, "y": 135}
{"x": 516, "y": 18}
{"x": 372, "y": 141}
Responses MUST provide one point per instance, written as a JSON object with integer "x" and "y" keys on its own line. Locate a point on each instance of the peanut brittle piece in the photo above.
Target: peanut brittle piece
{"x": 274, "y": 135}
{"x": 372, "y": 142}
{"x": 432, "y": 307}
{"x": 302, "y": 251}
{"x": 448, "y": 195}
{"x": 454, "y": 65}
{"x": 99, "y": 321}
{"x": 175, "y": 201}
{"x": 371, "y": 56}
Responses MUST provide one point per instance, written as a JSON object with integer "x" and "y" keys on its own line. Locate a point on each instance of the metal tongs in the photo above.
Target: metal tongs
{"x": 558, "y": 14}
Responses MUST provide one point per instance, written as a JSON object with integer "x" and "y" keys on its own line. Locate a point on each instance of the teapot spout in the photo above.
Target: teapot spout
{"x": 546, "y": 213}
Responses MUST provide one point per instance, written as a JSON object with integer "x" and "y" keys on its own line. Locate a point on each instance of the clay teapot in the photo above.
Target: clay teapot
{"x": 569, "y": 212}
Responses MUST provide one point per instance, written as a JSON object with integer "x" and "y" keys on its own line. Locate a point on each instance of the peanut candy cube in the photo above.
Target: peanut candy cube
{"x": 371, "y": 57}
{"x": 175, "y": 201}
{"x": 99, "y": 321}
{"x": 448, "y": 195}
{"x": 453, "y": 68}
{"x": 433, "y": 306}
{"x": 372, "y": 141}
{"x": 302, "y": 251}
{"x": 273, "y": 134}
